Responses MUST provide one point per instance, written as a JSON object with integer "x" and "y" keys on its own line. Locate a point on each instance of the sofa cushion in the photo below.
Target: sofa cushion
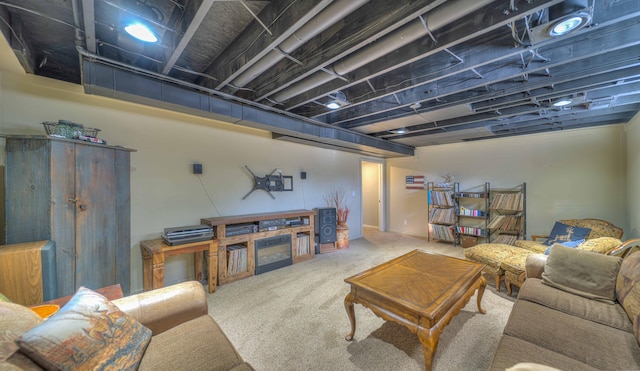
{"x": 534, "y": 246}
{"x": 610, "y": 315}
{"x": 89, "y": 332}
{"x": 564, "y": 233}
{"x": 628, "y": 290}
{"x": 15, "y": 319}
{"x": 216, "y": 353}
{"x": 491, "y": 254}
{"x": 600, "y": 245}
{"x": 597, "y": 345}
{"x": 582, "y": 273}
{"x": 512, "y": 350}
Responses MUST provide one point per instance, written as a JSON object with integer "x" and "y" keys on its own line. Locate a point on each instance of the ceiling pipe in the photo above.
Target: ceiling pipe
{"x": 433, "y": 20}
{"x": 325, "y": 19}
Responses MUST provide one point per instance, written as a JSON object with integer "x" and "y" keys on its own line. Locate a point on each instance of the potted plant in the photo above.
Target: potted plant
{"x": 336, "y": 197}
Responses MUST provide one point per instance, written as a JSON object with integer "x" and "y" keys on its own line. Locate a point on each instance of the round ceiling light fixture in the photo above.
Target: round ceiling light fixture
{"x": 569, "y": 24}
{"x": 141, "y": 32}
{"x": 333, "y": 105}
{"x": 400, "y": 131}
{"x": 562, "y": 102}
{"x": 338, "y": 99}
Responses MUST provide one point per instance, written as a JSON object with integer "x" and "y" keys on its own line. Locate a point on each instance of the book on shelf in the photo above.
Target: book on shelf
{"x": 474, "y": 231}
{"x": 236, "y": 259}
{"x": 441, "y": 198}
{"x": 507, "y": 201}
{"x": 471, "y": 194}
{"x": 507, "y": 223}
{"x": 302, "y": 244}
{"x": 442, "y": 232}
{"x": 443, "y": 216}
{"x": 471, "y": 212}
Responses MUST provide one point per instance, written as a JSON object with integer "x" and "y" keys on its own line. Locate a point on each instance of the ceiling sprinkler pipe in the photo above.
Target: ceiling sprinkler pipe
{"x": 325, "y": 19}
{"x": 435, "y": 19}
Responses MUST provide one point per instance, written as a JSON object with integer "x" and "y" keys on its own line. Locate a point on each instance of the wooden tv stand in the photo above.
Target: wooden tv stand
{"x": 220, "y": 224}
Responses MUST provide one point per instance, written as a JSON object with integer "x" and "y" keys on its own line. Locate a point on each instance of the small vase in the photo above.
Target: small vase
{"x": 342, "y": 236}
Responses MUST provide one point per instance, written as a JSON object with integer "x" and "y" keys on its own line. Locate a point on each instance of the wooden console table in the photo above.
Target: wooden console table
{"x": 154, "y": 253}
{"x": 248, "y": 239}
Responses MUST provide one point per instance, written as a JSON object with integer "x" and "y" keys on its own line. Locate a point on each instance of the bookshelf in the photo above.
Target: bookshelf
{"x": 508, "y": 214}
{"x": 441, "y": 208}
{"x": 472, "y": 214}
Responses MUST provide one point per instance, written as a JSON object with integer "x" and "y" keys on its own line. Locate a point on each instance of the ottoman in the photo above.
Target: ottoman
{"x": 492, "y": 255}
{"x": 513, "y": 268}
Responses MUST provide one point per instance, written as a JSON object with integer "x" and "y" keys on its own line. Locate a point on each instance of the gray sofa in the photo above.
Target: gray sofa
{"x": 562, "y": 320}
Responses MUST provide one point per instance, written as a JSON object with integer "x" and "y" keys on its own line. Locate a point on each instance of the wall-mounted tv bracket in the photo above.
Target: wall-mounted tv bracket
{"x": 271, "y": 183}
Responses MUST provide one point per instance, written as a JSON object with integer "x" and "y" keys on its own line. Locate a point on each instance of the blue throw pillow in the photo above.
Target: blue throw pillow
{"x": 572, "y": 244}
{"x": 565, "y": 233}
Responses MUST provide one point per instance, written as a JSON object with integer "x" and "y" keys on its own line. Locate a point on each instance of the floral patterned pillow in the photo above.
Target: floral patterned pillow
{"x": 88, "y": 333}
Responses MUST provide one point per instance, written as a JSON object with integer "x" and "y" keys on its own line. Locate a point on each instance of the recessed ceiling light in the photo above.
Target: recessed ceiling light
{"x": 569, "y": 23}
{"x": 333, "y": 105}
{"x": 141, "y": 32}
{"x": 338, "y": 99}
{"x": 400, "y": 131}
{"x": 562, "y": 102}
{"x": 416, "y": 105}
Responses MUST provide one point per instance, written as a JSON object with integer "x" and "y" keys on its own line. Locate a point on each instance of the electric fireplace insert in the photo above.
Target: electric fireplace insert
{"x": 272, "y": 253}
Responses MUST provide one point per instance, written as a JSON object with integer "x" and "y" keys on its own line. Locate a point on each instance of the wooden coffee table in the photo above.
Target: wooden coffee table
{"x": 419, "y": 290}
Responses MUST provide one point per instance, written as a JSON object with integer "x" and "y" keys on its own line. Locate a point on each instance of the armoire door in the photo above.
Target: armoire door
{"x": 95, "y": 217}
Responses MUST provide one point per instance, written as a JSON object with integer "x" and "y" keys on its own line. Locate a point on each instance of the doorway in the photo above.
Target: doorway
{"x": 373, "y": 195}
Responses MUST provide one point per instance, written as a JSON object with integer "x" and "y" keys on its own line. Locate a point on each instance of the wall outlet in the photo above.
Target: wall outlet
{"x": 405, "y": 222}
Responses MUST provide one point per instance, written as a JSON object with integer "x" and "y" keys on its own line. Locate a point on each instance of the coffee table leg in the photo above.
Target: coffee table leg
{"x": 348, "y": 305}
{"x": 483, "y": 284}
{"x": 429, "y": 339}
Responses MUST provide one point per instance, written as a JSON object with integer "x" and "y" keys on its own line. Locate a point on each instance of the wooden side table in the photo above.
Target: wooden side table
{"x": 154, "y": 253}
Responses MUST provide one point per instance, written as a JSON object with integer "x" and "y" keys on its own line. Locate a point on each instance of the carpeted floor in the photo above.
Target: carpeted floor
{"x": 293, "y": 318}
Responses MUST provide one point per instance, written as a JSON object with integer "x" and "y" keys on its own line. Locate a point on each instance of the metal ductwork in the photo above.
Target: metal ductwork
{"x": 325, "y": 19}
{"x": 163, "y": 92}
{"x": 430, "y": 22}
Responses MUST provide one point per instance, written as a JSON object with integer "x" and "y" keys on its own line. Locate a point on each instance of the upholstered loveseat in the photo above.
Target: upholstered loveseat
{"x": 507, "y": 261}
{"x": 183, "y": 335}
{"x": 576, "y": 311}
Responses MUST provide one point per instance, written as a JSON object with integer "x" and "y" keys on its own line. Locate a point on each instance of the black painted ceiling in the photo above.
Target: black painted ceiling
{"x": 445, "y": 71}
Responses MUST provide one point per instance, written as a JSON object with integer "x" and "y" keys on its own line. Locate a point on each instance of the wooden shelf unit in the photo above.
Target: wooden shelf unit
{"x": 220, "y": 224}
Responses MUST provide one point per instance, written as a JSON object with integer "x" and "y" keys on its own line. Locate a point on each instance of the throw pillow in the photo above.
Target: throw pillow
{"x": 89, "y": 332}
{"x": 601, "y": 245}
{"x": 571, "y": 244}
{"x": 583, "y": 273}
{"x": 564, "y": 233}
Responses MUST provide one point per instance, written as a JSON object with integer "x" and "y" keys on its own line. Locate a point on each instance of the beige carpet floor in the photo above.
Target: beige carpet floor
{"x": 293, "y": 318}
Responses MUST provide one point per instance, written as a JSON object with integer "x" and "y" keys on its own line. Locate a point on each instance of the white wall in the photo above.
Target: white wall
{"x": 370, "y": 194}
{"x": 164, "y": 192}
{"x": 572, "y": 174}
{"x": 633, "y": 177}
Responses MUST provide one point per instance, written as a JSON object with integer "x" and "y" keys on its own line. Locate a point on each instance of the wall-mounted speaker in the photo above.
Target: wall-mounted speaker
{"x": 325, "y": 224}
